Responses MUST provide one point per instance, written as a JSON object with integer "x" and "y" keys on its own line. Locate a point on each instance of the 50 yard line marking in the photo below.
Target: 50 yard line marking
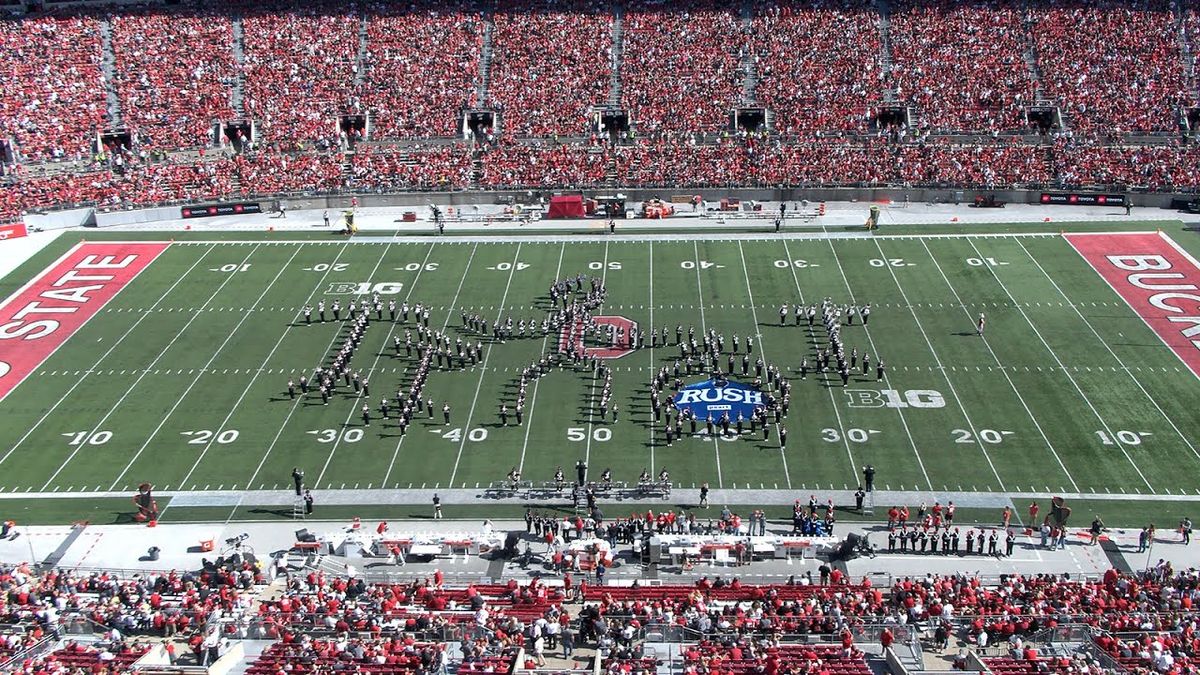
{"x": 449, "y": 315}
{"x": 88, "y": 372}
{"x": 483, "y": 371}
{"x": 1107, "y": 346}
{"x": 245, "y": 390}
{"x": 704, "y": 329}
{"x": 545, "y": 340}
{"x": 832, "y": 399}
{"x": 587, "y": 453}
{"x": 204, "y": 369}
{"x": 1003, "y": 370}
{"x": 1062, "y": 367}
{"x": 146, "y": 370}
{"x": 758, "y": 333}
{"x": 945, "y": 375}
{"x": 296, "y": 404}
{"x": 886, "y": 380}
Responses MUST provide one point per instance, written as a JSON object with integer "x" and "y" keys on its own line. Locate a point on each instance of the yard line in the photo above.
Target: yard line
{"x": 483, "y": 372}
{"x": 143, "y": 374}
{"x": 758, "y": 333}
{"x": 652, "y": 363}
{"x": 88, "y": 372}
{"x": 245, "y": 390}
{"x": 704, "y": 331}
{"x": 374, "y": 364}
{"x": 296, "y": 404}
{"x": 1065, "y": 371}
{"x": 937, "y": 359}
{"x": 587, "y": 453}
{"x": 1108, "y": 347}
{"x": 832, "y": 399}
{"x": 1003, "y": 370}
{"x": 449, "y": 314}
{"x": 246, "y": 315}
{"x": 886, "y": 380}
{"x": 533, "y": 398}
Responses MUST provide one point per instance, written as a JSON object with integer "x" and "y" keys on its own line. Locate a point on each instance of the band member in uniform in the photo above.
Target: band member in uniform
{"x": 291, "y": 390}
{"x": 307, "y": 314}
{"x": 879, "y": 371}
{"x": 366, "y": 415}
{"x": 980, "y": 324}
{"x": 446, "y": 411}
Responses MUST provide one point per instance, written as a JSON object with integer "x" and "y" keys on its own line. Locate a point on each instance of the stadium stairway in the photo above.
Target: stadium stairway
{"x": 108, "y": 71}
{"x": 885, "y": 56}
{"x": 360, "y": 59}
{"x": 237, "y": 95}
{"x": 618, "y": 53}
{"x": 485, "y": 63}
{"x": 1187, "y": 54}
{"x": 749, "y": 65}
{"x": 1032, "y": 69}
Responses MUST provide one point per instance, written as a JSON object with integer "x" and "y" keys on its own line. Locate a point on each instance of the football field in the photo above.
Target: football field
{"x": 180, "y": 378}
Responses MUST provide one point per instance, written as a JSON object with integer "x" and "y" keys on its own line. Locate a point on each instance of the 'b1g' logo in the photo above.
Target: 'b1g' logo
{"x": 892, "y": 398}
{"x": 364, "y": 288}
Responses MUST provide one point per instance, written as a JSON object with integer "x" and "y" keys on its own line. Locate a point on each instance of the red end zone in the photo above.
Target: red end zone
{"x": 48, "y": 310}
{"x": 1159, "y": 280}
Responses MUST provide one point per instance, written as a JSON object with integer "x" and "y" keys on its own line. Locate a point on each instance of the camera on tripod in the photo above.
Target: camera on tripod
{"x": 237, "y": 541}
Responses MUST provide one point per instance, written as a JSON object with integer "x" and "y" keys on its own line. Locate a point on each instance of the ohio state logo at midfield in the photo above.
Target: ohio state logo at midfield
{"x": 572, "y": 334}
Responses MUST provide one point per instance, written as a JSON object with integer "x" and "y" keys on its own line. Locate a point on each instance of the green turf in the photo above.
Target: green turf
{"x": 183, "y": 372}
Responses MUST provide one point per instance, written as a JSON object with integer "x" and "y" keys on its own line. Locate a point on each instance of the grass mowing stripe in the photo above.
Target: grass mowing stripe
{"x": 886, "y": 379}
{"x": 117, "y": 343}
{"x": 1104, "y": 342}
{"x": 704, "y": 331}
{"x": 945, "y": 375}
{"x": 449, "y": 314}
{"x": 1063, "y": 368}
{"x": 533, "y": 397}
{"x": 650, "y": 284}
{"x": 1003, "y": 370}
{"x": 245, "y": 315}
{"x": 378, "y": 355}
{"x": 146, "y": 371}
{"x": 587, "y": 456}
{"x": 483, "y": 371}
{"x": 300, "y": 399}
{"x": 837, "y": 413}
{"x": 241, "y": 397}
{"x": 758, "y": 333}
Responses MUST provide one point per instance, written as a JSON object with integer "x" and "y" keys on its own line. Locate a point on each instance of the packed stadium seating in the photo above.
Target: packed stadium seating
{"x": 423, "y": 61}
{"x": 822, "y": 70}
{"x": 834, "y": 49}
{"x": 172, "y": 97}
{"x": 962, "y": 64}
{"x": 550, "y": 63}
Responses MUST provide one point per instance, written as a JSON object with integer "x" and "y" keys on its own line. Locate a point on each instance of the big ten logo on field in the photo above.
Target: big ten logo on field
{"x": 364, "y": 288}
{"x": 892, "y": 398}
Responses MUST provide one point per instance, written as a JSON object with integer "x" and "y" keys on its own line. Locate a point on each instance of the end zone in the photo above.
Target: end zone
{"x": 42, "y": 315}
{"x": 1156, "y": 278}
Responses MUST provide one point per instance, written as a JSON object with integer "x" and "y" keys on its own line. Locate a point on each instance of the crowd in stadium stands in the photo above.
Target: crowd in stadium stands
{"x": 833, "y": 49}
{"x": 420, "y": 68}
{"x": 961, "y": 64}
{"x": 818, "y": 68}
{"x": 269, "y": 172}
{"x": 53, "y": 102}
{"x": 700, "y": 44}
{"x": 172, "y": 96}
{"x": 444, "y": 167}
{"x": 300, "y": 68}
{"x": 543, "y": 165}
{"x": 1116, "y": 67}
{"x": 99, "y": 659}
{"x": 1162, "y": 167}
{"x": 986, "y": 166}
{"x": 543, "y": 96}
